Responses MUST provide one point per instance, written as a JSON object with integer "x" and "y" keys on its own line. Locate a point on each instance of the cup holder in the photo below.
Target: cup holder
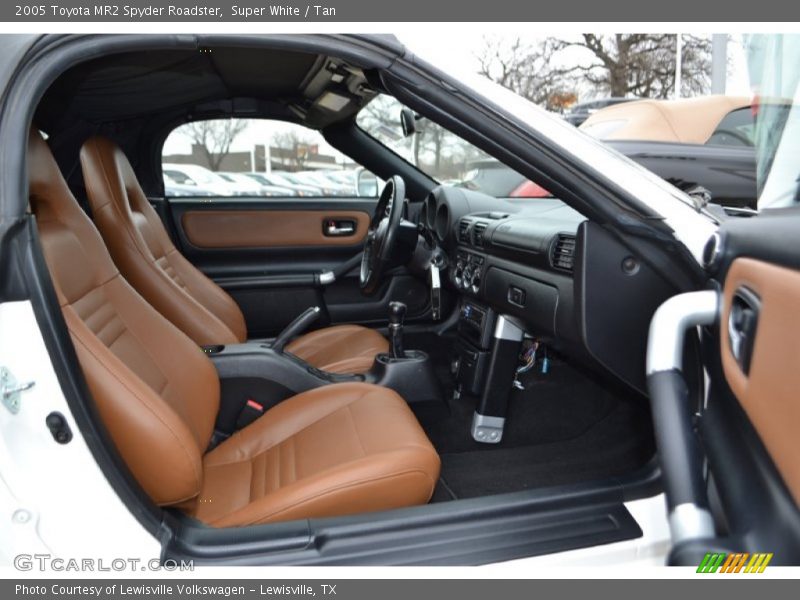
{"x": 411, "y": 376}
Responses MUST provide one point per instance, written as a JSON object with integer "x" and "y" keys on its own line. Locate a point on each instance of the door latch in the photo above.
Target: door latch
{"x": 339, "y": 227}
{"x": 11, "y": 390}
{"x": 742, "y": 324}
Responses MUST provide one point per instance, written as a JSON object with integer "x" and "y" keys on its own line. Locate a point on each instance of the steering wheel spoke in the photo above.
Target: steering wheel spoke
{"x": 381, "y": 237}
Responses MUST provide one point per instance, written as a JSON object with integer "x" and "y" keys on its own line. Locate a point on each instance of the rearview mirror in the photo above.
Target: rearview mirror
{"x": 408, "y": 121}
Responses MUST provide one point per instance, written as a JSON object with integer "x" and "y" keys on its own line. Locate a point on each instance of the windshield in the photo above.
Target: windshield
{"x": 691, "y": 227}
{"x": 442, "y": 155}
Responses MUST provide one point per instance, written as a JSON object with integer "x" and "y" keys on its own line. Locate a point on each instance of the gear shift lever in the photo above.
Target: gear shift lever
{"x": 397, "y": 312}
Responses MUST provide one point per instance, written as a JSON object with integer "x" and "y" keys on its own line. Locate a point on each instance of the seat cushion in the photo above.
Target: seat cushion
{"x": 336, "y": 450}
{"x": 340, "y": 349}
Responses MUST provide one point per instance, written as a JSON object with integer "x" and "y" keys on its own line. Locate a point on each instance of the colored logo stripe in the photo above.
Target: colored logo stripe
{"x": 758, "y": 563}
{"x": 734, "y": 563}
{"x": 711, "y": 562}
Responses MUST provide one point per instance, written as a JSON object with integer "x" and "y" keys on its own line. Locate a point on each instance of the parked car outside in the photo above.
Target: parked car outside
{"x": 260, "y": 189}
{"x": 274, "y": 179}
{"x": 583, "y": 110}
{"x": 360, "y": 181}
{"x": 195, "y": 175}
{"x": 705, "y": 142}
{"x": 328, "y": 185}
{"x": 302, "y": 180}
{"x": 173, "y": 189}
{"x": 494, "y": 178}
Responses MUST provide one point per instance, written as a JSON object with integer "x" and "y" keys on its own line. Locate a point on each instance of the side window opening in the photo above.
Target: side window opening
{"x": 259, "y": 158}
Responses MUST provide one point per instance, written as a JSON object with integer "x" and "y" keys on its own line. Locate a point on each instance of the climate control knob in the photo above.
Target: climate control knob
{"x": 476, "y": 281}
{"x": 467, "y": 277}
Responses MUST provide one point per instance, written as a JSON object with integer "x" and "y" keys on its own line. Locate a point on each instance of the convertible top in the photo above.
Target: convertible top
{"x": 685, "y": 121}
{"x": 137, "y": 84}
{"x": 137, "y": 97}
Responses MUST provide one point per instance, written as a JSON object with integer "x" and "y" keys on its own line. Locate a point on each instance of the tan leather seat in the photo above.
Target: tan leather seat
{"x": 336, "y": 450}
{"x": 144, "y": 253}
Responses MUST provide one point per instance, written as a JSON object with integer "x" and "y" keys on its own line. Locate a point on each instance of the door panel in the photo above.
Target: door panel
{"x": 268, "y": 254}
{"x": 768, "y": 388}
{"x": 731, "y": 461}
{"x": 208, "y": 229}
{"x": 745, "y": 468}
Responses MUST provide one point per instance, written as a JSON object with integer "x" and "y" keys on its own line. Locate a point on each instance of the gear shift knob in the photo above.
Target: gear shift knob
{"x": 397, "y": 313}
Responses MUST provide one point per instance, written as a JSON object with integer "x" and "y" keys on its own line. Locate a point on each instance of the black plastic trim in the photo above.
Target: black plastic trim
{"x": 770, "y": 236}
{"x": 678, "y": 447}
{"x": 496, "y": 528}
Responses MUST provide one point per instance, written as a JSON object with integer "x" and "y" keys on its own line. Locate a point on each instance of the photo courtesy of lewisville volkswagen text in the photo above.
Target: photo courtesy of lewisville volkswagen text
{"x": 162, "y": 589}
{"x": 430, "y": 296}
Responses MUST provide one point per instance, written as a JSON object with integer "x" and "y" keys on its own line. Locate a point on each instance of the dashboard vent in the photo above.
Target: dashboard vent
{"x": 477, "y": 233}
{"x": 563, "y": 253}
{"x": 463, "y": 229}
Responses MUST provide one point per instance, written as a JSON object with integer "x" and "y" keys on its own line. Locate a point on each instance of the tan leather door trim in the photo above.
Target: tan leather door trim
{"x": 269, "y": 228}
{"x": 770, "y": 394}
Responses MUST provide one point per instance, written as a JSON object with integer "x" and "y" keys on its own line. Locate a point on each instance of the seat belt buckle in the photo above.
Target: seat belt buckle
{"x": 249, "y": 413}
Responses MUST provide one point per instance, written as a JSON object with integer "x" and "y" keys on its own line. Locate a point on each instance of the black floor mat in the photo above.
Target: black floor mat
{"x": 564, "y": 427}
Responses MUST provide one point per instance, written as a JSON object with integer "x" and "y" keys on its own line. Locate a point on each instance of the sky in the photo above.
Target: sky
{"x": 456, "y": 53}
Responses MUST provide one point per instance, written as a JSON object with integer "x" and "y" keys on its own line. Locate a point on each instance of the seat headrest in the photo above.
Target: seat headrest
{"x": 106, "y": 167}
{"x": 48, "y": 192}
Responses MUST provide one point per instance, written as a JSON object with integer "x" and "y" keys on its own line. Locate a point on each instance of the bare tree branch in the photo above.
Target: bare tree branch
{"x": 625, "y": 65}
{"x": 215, "y": 137}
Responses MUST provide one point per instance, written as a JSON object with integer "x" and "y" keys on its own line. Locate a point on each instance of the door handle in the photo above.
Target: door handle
{"x": 742, "y": 324}
{"x": 339, "y": 227}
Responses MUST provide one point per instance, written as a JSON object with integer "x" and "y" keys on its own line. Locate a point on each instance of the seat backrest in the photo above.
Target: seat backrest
{"x": 144, "y": 253}
{"x": 155, "y": 390}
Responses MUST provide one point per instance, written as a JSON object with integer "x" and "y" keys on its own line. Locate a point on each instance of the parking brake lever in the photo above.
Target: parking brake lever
{"x": 300, "y": 324}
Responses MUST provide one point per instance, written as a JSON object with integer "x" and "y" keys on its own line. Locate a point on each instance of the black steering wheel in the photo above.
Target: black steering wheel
{"x": 382, "y": 233}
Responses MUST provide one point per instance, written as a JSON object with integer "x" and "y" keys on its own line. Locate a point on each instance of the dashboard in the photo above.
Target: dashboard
{"x": 516, "y": 257}
{"x": 570, "y": 282}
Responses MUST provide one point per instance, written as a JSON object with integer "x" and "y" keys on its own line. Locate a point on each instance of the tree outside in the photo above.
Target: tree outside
{"x": 296, "y": 146}
{"x": 214, "y": 137}
{"x": 638, "y": 65}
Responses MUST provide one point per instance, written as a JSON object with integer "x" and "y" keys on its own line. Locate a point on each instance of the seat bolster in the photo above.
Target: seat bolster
{"x": 172, "y": 301}
{"x": 210, "y": 295}
{"x": 156, "y": 444}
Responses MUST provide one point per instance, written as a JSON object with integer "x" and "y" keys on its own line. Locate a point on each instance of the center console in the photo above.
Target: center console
{"x": 257, "y": 375}
{"x": 488, "y": 346}
{"x": 473, "y": 346}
